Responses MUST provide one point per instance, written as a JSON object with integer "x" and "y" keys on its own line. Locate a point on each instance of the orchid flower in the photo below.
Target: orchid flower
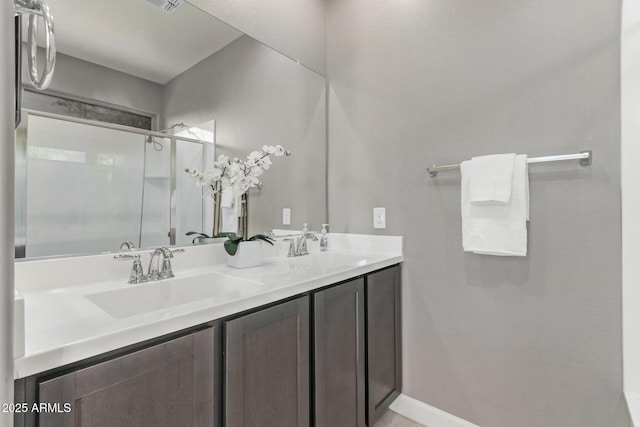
{"x": 238, "y": 175}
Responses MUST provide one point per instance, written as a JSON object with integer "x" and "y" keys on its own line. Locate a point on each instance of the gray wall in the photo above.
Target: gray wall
{"x": 532, "y": 341}
{"x": 259, "y": 97}
{"x": 297, "y": 28}
{"x": 7, "y": 156}
{"x": 91, "y": 82}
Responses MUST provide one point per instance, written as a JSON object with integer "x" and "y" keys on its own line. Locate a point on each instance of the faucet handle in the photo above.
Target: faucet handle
{"x": 292, "y": 247}
{"x": 166, "y": 272}
{"x": 302, "y": 247}
{"x": 137, "y": 272}
{"x": 126, "y": 257}
{"x": 166, "y": 252}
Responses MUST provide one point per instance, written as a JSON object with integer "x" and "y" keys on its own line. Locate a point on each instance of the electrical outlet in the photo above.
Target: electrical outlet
{"x": 379, "y": 218}
{"x": 286, "y": 216}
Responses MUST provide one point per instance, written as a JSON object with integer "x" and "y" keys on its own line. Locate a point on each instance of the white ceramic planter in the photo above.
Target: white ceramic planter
{"x": 249, "y": 254}
{"x": 18, "y": 326}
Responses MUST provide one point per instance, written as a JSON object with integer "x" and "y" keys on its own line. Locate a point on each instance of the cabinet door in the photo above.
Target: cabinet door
{"x": 267, "y": 367}
{"x": 384, "y": 340}
{"x": 167, "y": 385}
{"x": 339, "y": 356}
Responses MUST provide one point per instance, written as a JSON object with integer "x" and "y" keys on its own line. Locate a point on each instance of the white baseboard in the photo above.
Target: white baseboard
{"x": 633, "y": 404}
{"x": 425, "y": 414}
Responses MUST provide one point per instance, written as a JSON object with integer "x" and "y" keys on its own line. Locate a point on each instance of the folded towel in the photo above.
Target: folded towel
{"x": 228, "y": 212}
{"x": 497, "y": 229}
{"x": 229, "y": 219}
{"x": 490, "y": 178}
{"x": 226, "y": 198}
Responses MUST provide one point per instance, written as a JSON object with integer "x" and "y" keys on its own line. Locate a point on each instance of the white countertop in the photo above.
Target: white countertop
{"x": 63, "y": 323}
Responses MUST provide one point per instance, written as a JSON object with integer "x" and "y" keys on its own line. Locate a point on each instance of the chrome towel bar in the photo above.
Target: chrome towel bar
{"x": 585, "y": 158}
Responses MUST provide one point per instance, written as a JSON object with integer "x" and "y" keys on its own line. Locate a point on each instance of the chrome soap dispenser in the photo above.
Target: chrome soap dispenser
{"x": 324, "y": 240}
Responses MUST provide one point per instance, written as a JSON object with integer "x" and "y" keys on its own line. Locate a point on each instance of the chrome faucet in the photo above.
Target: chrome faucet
{"x": 302, "y": 242}
{"x": 157, "y": 271}
{"x": 298, "y": 247}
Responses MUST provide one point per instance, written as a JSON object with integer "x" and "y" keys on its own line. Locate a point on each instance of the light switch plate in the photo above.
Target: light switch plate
{"x": 286, "y": 216}
{"x": 379, "y": 218}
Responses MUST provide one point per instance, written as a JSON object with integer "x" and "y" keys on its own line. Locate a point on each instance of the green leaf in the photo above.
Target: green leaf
{"x": 262, "y": 237}
{"x": 191, "y": 233}
{"x": 231, "y": 246}
{"x": 198, "y": 236}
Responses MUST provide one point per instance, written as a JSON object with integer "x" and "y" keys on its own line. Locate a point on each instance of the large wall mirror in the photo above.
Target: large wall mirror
{"x": 140, "y": 94}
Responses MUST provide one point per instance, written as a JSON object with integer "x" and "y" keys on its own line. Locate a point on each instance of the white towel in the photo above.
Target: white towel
{"x": 497, "y": 229}
{"x": 229, "y": 220}
{"x": 228, "y": 212}
{"x": 490, "y": 178}
{"x": 226, "y": 198}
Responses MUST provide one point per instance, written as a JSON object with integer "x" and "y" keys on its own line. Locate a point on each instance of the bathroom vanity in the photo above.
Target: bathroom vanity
{"x": 314, "y": 340}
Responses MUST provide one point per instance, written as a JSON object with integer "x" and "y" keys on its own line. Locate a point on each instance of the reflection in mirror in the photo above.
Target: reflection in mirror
{"x": 138, "y": 96}
{"x": 92, "y": 186}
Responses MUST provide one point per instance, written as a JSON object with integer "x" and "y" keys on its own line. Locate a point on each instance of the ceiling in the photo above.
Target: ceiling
{"x": 136, "y": 37}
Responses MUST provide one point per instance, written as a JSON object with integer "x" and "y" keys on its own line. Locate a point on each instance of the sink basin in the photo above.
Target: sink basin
{"x": 283, "y": 270}
{"x": 154, "y": 296}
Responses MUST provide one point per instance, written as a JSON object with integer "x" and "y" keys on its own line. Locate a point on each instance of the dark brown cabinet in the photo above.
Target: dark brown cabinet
{"x": 339, "y": 350}
{"x": 167, "y": 385}
{"x": 267, "y": 367}
{"x": 274, "y": 367}
{"x": 384, "y": 340}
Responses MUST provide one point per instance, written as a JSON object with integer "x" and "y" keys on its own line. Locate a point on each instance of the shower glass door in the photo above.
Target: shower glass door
{"x": 156, "y": 201}
{"x": 84, "y": 187}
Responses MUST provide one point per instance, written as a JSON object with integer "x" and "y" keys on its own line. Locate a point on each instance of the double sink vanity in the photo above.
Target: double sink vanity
{"x": 312, "y": 340}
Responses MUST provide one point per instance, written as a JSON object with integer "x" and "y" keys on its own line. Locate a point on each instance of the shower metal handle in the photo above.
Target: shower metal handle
{"x": 18, "y": 69}
{"x": 36, "y": 8}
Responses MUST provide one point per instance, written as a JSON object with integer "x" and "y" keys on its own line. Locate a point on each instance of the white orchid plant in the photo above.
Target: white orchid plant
{"x": 239, "y": 176}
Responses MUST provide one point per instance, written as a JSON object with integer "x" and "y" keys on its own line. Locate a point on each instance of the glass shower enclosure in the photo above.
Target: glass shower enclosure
{"x": 86, "y": 187}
